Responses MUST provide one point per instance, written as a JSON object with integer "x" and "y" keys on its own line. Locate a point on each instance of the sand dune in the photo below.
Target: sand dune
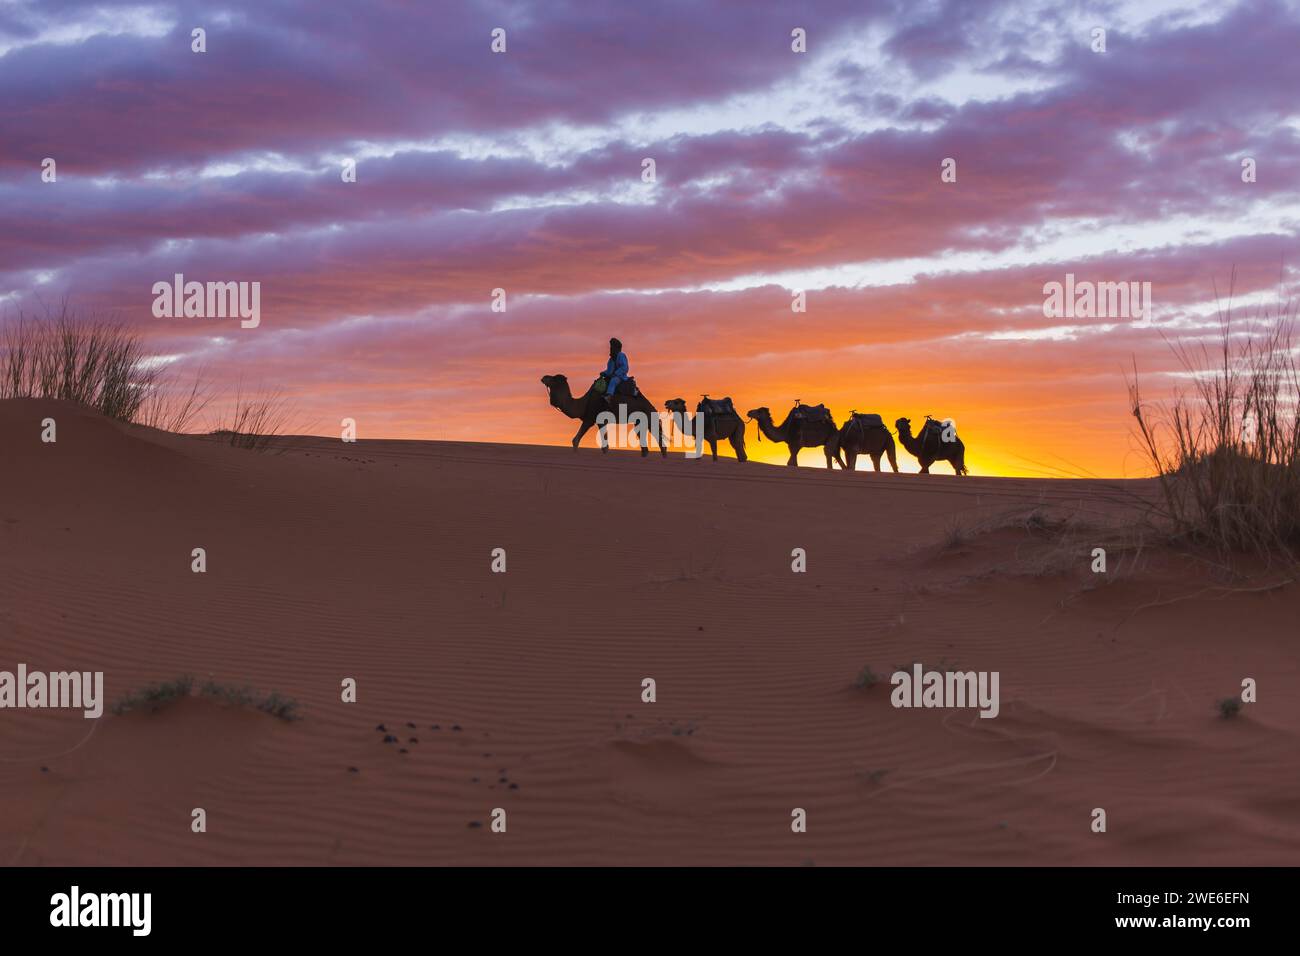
{"x": 522, "y": 690}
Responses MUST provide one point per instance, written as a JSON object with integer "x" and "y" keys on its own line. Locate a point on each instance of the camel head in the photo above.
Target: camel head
{"x": 558, "y": 387}
{"x": 904, "y": 426}
{"x": 675, "y": 407}
{"x": 762, "y": 416}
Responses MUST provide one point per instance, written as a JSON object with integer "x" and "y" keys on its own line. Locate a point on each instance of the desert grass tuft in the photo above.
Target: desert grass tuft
{"x": 97, "y": 362}
{"x": 90, "y": 360}
{"x": 154, "y": 696}
{"x": 1227, "y": 452}
{"x": 866, "y": 678}
{"x": 1229, "y": 707}
{"x": 273, "y": 703}
{"x": 255, "y": 420}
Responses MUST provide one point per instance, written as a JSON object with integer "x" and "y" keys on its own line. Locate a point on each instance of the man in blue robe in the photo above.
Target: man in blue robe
{"x": 615, "y": 373}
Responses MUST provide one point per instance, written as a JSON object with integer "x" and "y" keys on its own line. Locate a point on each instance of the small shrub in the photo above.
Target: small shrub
{"x": 954, "y": 536}
{"x": 274, "y": 703}
{"x": 155, "y": 696}
{"x": 866, "y": 678}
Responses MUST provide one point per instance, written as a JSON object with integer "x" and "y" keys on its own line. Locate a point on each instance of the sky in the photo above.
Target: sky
{"x": 776, "y": 172}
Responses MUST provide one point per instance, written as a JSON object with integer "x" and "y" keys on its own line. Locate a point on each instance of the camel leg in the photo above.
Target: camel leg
{"x": 851, "y": 457}
{"x": 925, "y": 465}
{"x": 893, "y": 458}
{"x": 582, "y": 430}
{"x": 603, "y": 441}
{"x": 831, "y": 456}
{"x": 875, "y": 461}
{"x": 641, "y": 429}
{"x": 794, "y": 456}
{"x": 738, "y": 444}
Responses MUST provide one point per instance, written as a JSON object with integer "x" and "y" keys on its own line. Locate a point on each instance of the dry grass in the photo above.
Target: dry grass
{"x": 1049, "y": 542}
{"x": 96, "y": 362}
{"x": 173, "y": 408}
{"x": 90, "y": 360}
{"x": 1034, "y": 520}
{"x": 1227, "y": 453}
{"x": 156, "y": 696}
{"x": 103, "y": 365}
{"x": 255, "y": 419}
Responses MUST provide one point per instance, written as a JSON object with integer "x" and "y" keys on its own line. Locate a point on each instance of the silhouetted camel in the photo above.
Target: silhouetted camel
{"x": 587, "y": 408}
{"x": 866, "y": 435}
{"x": 930, "y": 446}
{"x": 711, "y": 424}
{"x": 805, "y": 427}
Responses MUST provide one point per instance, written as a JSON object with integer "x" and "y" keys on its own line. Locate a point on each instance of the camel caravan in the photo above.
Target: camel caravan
{"x": 716, "y": 419}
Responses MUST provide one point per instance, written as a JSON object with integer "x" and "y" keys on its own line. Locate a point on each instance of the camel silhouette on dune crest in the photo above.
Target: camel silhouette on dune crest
{"x": 807, "y": 426}
{"x": 716, "y": 419}
{"x": 866, "y": 434}
{"x": 627, "y": 403}
{"x": 938, "y": 441}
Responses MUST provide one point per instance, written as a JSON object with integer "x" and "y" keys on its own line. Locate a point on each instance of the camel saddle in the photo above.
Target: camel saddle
{"x": 811, "y": 414}
{"x": 626, "y": 388}
{"x": 932, "y": 425}
{"x": 931, "y": 437}
{"x": 716, "y": 406}
{"x": 868, "y": 420}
